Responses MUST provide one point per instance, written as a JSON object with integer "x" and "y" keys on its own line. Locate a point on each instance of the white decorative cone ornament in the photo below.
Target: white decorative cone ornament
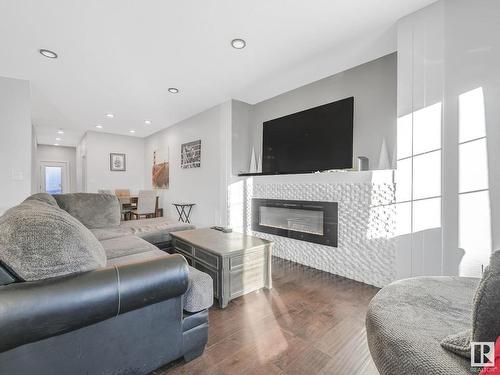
{"x": 384, "y": 160}
{"x": 253, "y": 162}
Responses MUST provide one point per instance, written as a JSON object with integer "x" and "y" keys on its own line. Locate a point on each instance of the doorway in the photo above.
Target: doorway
{"x": 54, "y": 177}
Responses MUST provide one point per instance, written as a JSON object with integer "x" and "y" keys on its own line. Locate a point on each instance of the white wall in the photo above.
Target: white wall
{"x": 81, "y": 165}
{"x": 373, "y": 86}
{"x": 205, "y": 186}
{"x": 34, "y": 166}
{"x": 57, "y": 153}
{"x": 242, "y": 136}
{"x": 15, "y": 142}
{"x": 95, "y": 171}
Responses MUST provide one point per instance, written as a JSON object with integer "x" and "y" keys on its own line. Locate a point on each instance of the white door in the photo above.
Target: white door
{"x": 54, "y": 177}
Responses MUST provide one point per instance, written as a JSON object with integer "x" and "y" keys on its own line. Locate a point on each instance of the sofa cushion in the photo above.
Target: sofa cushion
{"x": 111, "y": 232}
{"x": 458, "y": 343}
{"x": 126, "y": 245}
{"x": 93, "y": 210}
{"x": 43, "y": 197}
{"x": 136, "y": 257}
{"x": 408, "y": 319}
{"x": 199, "y": 295}
{"x": 39, "y": 241}
{"x": 485, "y": 315}
{"x": 155, "y": 230}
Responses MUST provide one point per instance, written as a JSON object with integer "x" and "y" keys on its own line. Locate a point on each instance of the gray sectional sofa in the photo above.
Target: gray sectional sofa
{"x": 408, "y": 319}
{"x": 425, "y": 325}
{"x": 83, "y": 293}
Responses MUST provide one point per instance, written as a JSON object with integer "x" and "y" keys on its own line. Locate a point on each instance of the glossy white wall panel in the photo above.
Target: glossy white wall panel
{"x": 420, "y": 96}
{"x": 472, "y": 53}
{"x": 454, "y": 48}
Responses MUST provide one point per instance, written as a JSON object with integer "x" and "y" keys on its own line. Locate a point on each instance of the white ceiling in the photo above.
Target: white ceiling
{"x": 121, "y": 56}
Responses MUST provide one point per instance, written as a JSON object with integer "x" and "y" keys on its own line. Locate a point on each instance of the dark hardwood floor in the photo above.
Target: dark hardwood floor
{"x": 311, "y": 322}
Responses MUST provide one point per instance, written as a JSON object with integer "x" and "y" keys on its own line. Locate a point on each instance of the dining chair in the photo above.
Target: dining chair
{"x": 146, "y": 205}
{"x": 123, "y": 195}
{"x": 125, "y": 202}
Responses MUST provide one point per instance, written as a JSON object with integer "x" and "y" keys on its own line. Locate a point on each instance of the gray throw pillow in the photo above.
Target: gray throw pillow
{"x": 93, "y": 210}
{"x": 39, "y": 241}
{"x": 485, "y": 313}
{"x": 486, "y": 305}
{"x": 458, "y": 343}
{"x": 43, "y": 197}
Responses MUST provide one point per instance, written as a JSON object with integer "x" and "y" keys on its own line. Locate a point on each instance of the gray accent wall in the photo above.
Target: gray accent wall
{"x": 373, "y": 86}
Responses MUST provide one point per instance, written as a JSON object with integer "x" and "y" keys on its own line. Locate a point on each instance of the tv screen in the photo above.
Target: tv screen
{"x": 316, "y": 139}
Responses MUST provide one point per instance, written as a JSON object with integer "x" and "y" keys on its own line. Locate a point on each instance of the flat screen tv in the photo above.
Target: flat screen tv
{"x": 317, "y": 139}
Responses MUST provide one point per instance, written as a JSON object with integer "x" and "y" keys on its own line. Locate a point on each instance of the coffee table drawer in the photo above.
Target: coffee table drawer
{"x": 183, "y": 247}
{"x": 206, "y": 258}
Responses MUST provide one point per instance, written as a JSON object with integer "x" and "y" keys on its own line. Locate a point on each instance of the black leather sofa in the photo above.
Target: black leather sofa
{"x": 97, "y": 323}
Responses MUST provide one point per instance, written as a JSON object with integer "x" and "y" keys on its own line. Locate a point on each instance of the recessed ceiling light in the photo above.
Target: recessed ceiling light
{"x": 60, "y": 131}
{"x": 56, "y": 144}
{"x": 98, "y": 126}
{"x": 173, "y": 90}
{"x": 148, "y": 122}
{"x": 58, "y": 139}
{"x": 110, "y": 115}
{"x": 48, "y": 53}
{"x": 238, "y": 43}
{"x": 131, "y": 131}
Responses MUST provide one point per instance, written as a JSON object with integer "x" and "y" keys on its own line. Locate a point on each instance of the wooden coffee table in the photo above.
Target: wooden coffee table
{"x": 237, "y": 263}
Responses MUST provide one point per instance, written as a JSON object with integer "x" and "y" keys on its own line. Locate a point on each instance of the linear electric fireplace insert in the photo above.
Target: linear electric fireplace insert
{"x": 301, "y": 220}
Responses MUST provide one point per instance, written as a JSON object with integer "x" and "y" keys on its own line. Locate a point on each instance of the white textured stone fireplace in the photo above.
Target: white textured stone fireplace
{"x": 366, "y": 220}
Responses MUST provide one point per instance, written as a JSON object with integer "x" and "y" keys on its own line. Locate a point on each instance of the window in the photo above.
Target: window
{"x": 473, "y": 188}
{"x": 53, "y": 180}
{"x": 418, "y": 175}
